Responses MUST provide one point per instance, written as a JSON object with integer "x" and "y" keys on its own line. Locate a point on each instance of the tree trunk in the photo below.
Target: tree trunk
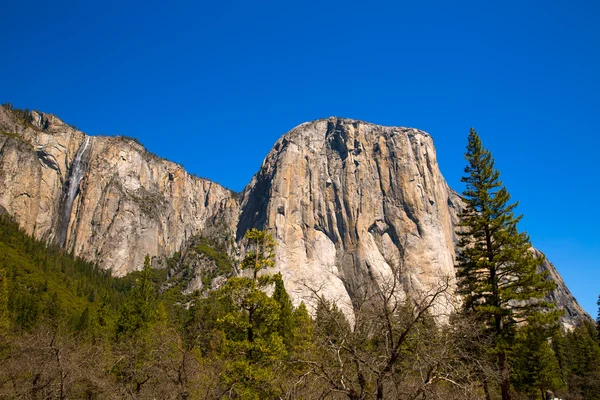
{"x": 505, "y": 374}
{"x": 486, "y": 389}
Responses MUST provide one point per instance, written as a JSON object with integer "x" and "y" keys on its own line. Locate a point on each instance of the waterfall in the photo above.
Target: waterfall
{"x": 70, "y": 191}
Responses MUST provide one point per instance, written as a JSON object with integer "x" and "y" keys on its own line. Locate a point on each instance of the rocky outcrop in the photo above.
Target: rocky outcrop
{"x": 348, "y": 202}
{"x": 561, "y": 296}
{"x": 106, "y": 199}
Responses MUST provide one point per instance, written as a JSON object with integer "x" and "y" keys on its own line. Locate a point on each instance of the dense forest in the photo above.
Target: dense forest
{"x": 71, "y": 331}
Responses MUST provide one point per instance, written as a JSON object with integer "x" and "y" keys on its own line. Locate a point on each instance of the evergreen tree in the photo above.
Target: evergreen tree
{"x": 261, "y": 252}
{"x": 285, "y": 325}
{"x": 598, "y": 320}
{"x": 83, "y": 322}
{"x": 135, "y": 337}
{"x": 497, "y": 271}
{"x": 251, "y": 327}
{"x": 4, "y": 316}
{"x": 578, "y": 354}
{"x": 534, "y": 365}
{"x": 138, "y": 311}
{"x": 303, "y": 327}
{"x": 330, "y": 321}
{"x": 104, "y": 321}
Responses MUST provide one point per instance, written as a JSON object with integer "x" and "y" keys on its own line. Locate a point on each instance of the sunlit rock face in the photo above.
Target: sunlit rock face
{"x": 127, "y": 202}
{"x": 348, "y": 203}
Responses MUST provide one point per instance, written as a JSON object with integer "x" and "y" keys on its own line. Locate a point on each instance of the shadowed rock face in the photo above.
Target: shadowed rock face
{"x": 347, "y": 202}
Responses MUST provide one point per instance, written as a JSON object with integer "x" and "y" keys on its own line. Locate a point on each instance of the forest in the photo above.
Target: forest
{"x": 69, "y": 330}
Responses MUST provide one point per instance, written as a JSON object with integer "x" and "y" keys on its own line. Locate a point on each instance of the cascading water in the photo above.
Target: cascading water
{"x": 76, "y": 173}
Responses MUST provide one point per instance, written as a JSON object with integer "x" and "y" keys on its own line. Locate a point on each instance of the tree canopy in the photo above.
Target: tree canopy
{"x": 498, "y": 274}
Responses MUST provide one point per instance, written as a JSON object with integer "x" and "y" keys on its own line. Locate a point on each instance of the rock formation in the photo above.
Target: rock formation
{"x": 347, "y": 201}
{"x": 106, "y": 199}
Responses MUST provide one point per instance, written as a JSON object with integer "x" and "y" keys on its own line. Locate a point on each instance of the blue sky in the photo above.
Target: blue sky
{"x": 212, "y": 85}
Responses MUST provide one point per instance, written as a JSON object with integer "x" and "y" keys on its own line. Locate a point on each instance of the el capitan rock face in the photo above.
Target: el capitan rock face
{"x": 347, "y": 202}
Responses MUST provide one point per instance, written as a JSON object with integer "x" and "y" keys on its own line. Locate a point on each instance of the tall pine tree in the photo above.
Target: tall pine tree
{"x": 139, "y": 310}
{"x": 254, "y": 355}
{"x": 497, "y": 271}
{"x": 285, "y": 324}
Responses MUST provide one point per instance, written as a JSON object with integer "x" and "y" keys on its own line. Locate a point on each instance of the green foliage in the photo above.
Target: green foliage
{"x": 535, "y": 368}
{"x": 252, "y": 326}
{"x": 74, "y": 331}
{"x": 578, "y": 355}
{"x": 303, "y": 327}
{"x": 4, "y": 315}
{"x": 36, "y": 273}
{"x": 497, "y": 271}
{"x": 598, "y": 319}
{"x": 206, "y": 257}
{"x": 138, "y": 311}
{"x": 144, "y": 341}
{"x": 495, "y": 266}
{"x": 216, "y": 253}
{"x": 42, "y": 281}
{"x": 330, "y": 321}
{"x": 261, "y": 252}
{"x": 286, "y": 322}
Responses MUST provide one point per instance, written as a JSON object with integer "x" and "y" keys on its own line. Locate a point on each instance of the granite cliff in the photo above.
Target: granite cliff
{"x": 105, "y": 199}
{"x": 347, "y": 202}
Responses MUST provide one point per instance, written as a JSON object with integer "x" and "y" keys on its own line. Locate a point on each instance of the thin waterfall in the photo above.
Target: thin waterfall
{"x": 76, "y": 173}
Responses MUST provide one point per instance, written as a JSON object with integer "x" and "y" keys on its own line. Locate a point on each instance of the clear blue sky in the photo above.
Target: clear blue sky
{"x": 212, "y": 85}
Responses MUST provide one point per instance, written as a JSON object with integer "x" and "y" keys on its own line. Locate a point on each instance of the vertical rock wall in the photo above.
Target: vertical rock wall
{"x": 121, "y": 201}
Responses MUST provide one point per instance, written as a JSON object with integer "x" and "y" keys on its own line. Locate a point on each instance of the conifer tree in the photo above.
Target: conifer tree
{"x": 285, "y": 325}
{"x": 249, "y": 374}
{"x": 135, "y": 342}
{"x": 261, "y": 254}
{"x": 535, "y": 367}
{"x": 578, "y": 355}
{"x": 83, "y": 322}
{"x": 4, "y": 316}
{"x": 138, "y": 311}
{"x": 303, "y": 326}
{"x": 598, "y": 320}
{"x": 497, "y": 271}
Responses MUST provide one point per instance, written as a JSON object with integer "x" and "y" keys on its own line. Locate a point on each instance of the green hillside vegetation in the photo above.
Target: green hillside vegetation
{"x": 70, "y": 330}
{"x": 39, "y": 275}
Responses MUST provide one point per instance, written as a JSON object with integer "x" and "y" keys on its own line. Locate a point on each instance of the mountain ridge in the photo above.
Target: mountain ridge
{"x": 347, "y": 200}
